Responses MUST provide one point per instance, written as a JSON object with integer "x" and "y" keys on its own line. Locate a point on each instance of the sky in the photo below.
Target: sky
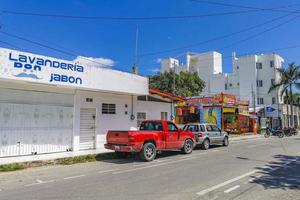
{"x": 112, "y": 42}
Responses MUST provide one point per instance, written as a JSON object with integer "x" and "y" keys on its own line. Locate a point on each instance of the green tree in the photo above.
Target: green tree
{"x": 186, "y": 83}
{"x": 288, "y": 80}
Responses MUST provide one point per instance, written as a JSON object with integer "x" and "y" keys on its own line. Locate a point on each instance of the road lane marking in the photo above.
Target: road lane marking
{"x": 150, "y": 166}
{"x": 39, "y": 182}
{"x": 203, "y": 192}
{"x": 105, "y": 171}
{"x": 72, "y": 177}
{"x": 232, "y": 188}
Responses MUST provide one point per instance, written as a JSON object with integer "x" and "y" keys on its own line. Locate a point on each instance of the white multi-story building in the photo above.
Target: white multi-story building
{"x": 252, "y": 76}
{"x": 208, "y": 66}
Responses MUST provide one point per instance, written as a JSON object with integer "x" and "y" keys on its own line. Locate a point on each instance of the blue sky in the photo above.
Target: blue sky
{"x": 115, "y": 39}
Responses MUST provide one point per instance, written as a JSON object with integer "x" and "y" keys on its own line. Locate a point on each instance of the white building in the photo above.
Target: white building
{"x": 207, "y": 65}
{"x": 253, "y": 75}
{"x": 50, "y": 105}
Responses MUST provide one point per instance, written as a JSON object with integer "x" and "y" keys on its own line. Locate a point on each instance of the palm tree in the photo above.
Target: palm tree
{"x": 288, "y": 80}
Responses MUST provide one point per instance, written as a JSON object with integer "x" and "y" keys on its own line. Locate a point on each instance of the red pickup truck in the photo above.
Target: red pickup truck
{"x": 153, "y": 136}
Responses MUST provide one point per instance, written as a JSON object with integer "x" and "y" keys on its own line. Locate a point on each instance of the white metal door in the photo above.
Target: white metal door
{"x": 34, "y": 129}
{"x": 87, "y": 128}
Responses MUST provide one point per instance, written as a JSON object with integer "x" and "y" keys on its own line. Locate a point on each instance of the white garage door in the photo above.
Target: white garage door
{"x": 87, "y": 128}
{"x": 34, "y": 129}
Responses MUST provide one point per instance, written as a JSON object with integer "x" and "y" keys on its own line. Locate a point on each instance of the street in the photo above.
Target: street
{"x": 259, "y": 168}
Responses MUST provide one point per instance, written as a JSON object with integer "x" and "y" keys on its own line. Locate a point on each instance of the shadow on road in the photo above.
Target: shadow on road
{"x": 134, "y": 157}
{"x": 283, "y": 173}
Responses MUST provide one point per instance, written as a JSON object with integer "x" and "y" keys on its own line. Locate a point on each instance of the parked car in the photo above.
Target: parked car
{"x": 207, "y": 134}
{"x": 152, "y": 136}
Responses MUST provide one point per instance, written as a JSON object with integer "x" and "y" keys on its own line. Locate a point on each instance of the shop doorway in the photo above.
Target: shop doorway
{"x": 87, "y": 128}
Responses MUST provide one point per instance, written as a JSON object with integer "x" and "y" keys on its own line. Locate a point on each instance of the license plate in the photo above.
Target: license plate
{"x": 117, "y": 148}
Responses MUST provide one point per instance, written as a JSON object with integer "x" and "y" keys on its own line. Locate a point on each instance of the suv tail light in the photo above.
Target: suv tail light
{"x": 200, "y": 135}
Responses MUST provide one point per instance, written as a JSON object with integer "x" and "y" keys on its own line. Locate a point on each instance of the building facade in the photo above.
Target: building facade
{"x": 207, "y": 65}
{"x": 49, "y": 105}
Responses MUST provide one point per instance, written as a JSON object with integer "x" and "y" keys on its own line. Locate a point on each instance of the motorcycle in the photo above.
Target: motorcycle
{"x": 269, "y": 132}
{"x": 290, "y": 131}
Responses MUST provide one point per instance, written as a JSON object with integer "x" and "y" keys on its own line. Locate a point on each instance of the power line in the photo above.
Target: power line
{"x": 52, "y": 48}
{"x": 246, "y": 7}
{"x": 125, "y": 18}
{"x": 214, "y": 39}
{"x": 8, "y": 44}
{"x": 260, "y": 33}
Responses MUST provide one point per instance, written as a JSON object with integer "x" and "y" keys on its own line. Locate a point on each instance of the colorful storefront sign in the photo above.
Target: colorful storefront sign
{"x": 212, "y": 115}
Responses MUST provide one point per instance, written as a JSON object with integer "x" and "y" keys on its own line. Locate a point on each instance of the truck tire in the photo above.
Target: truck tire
{"x": 187, "y": 146}
{"x": 205, "y": 144}
{"x": 148, "y": 152}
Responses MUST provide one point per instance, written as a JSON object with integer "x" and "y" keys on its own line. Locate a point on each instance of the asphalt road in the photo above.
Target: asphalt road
{"x": 250, "y": 169}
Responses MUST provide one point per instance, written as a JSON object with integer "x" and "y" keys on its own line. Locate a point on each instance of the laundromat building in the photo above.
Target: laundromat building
{"x": 50, "y": 105}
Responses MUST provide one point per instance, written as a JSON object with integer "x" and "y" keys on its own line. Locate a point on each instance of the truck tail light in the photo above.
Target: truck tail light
{"x": 131, "y": 139}
{"x": 200, "y": 135}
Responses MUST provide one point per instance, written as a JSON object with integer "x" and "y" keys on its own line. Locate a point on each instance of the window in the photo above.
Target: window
{"x": 191, "y": 128}
{"x": 108, "y": 108}
{"x": 215, "y": 128}
{"x": 151, "y": 126}
{"x": 202, "y": 128}
{"x": 258, "y": 65}
{"x": 273, "y": 100}
{"x": 172, "y": 127}
{"x": 272, "y": 63}
{"x": 272, "y": 81}
{"x": 238, "y": 84}
{"x": 226, "y": 87}
{"x": 89, "y": 99}
{"x": 209, "y": 128}
{"x": 260, "y": 100}
{"x": 259, "y": 83}
{"x": 230, "y": 84}
{"x": 142, "y": 98}
{"x": 237, "y": 67}
{"x": 164, "y": 115}
{"x": 141, "y": 116}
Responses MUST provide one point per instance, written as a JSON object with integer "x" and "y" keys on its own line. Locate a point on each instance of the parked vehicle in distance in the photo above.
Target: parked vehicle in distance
{"x": 272, "y": 132}
{"x": 207, "y": 134}
{"x": 153, "y": 136}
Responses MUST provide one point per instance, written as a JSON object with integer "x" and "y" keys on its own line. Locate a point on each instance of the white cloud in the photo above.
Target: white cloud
{"x": 155, "y": 70}
{"x": 95, "y": 62}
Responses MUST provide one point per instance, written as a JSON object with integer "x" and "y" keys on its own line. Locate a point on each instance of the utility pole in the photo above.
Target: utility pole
{"x": 253, "y": 99}
{"x": 174, "y": 77}
{"x": 135, "y": 67}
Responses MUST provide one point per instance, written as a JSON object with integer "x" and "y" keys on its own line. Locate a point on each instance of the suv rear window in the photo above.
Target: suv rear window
{"x": 191, "y": 128}
{"x": 151, "y": 126}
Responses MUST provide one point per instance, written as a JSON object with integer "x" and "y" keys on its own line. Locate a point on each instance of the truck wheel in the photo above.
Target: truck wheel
{"x": 205, "y": 144}
{"x": 225, "y": 142}
{"x": 148, "y": 152}
{"x": 187, "y": 146}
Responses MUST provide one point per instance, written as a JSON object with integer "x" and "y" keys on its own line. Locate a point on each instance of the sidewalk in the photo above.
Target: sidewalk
{"x": 52, "y": 156}
{"x": 245, "y": 136}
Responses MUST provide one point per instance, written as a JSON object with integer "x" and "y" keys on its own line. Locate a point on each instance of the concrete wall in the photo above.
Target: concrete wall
{"x": 104, "y": 122}
{"x": 153, "y": 109}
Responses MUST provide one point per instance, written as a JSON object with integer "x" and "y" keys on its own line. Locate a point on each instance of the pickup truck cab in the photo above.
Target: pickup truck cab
{"x": 152, "y": 136}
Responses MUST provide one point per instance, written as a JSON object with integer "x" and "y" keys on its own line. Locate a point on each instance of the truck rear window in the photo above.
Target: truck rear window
{"x": 151, "y": 126}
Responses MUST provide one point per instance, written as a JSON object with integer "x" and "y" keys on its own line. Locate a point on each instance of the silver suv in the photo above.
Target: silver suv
{"x": 207, "y": 134}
